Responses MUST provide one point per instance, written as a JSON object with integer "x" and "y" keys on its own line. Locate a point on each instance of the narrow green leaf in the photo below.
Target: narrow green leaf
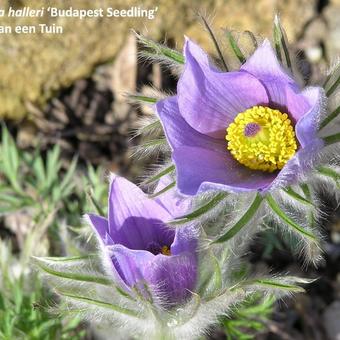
{"x": 150, "y": 127}
{"x": 144, "y": 99}
{"x": 43, "y": 264}
{"x": 282, "y": 40}
{"x": 153, "y": 143}
{"x": 277, "y": 42}
{"x": 160, "y": 174}
{"x": 201, "y": 210}
{"x": 95, "y": 203}
{"x": 238, "y": 53}
{"x": 332, "y": 139}
{"x": 52, "y": 166}
{"x": 71, "y": 258}
{"x": 330, "y": 91}
{"x": 306, "y": 190}
{"x": 242, "y": 221}
{"x": 161, "y": 50}
{"x": 99, "y": 303}
{"x": 253, "y": 38}
{"x": 282, "y": 215}
{"x": 66, "y": 182}
{"x": 213, "y": 38}
{"x": 167, "y": 188}
{"x": 10, "y": 159}
{"x": 330, "y": 117}
{"x": 330, "y": 75}
{"x": 292, "y": 193}
{"x": 39, "y": 171}
{"x": 275, "y": 284}
{"x": 328, "y": 172}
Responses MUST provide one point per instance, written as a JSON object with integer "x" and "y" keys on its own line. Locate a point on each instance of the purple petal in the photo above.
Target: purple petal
{"x": 175, "y": 204}
{"x": 101, "y": 228}
{"x": 179, "y": 132}
{"x": 200, "y": 169}
{"x": 136, "y": 221}
{"x": 130, "y": 263}
{"x": 168, "y": 276}
{"x": 264, "y": 65}
{"x": 185, "y": 240}
{"x": 307, "y": 127}
{"x": 296, "y": 104}
{"x": 209, "y": 99}
{"x": 173, "y": 277}
{"x": 297, "y": 167}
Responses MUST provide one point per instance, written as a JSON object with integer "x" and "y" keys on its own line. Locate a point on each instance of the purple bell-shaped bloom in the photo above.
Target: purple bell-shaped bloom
{"x": 142, "y": 252}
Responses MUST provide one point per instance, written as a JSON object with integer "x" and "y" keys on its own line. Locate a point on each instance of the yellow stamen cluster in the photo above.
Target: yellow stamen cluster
{"x": 166, "y": 251}
{"x": 262, "y": 139}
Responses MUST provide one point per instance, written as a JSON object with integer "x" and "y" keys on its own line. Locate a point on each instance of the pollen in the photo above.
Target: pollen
{"x": 262, "y": 138}
{"x": 166, "y": 250}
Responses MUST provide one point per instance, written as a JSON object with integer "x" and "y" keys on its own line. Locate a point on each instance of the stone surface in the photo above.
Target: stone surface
{"x": 35, "y": 67}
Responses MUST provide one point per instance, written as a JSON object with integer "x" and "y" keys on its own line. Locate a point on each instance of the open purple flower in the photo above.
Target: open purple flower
{"x": 141, "y": 248}
{"x": 248, "y": 130}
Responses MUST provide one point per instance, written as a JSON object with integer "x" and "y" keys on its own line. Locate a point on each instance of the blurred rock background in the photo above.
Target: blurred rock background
{"x": 69, "y": 90}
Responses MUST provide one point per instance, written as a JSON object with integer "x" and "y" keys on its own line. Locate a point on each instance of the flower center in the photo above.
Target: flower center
{"x": 166, "y": 251}
{"x": 262, "y": 139}
{"x": 156, "y": 249}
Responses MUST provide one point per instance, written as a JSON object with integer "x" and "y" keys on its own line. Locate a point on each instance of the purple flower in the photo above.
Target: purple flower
{"x": 141, "y": 249}
{"x": 248, "y": 130}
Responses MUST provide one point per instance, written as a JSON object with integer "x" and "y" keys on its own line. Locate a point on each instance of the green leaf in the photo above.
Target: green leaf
{"x": 143, "y": 99}
{"x": 209, "y": 281}
{"x": 237, "y": 51}
{"x": 242, "y": 221}
{"x": 282, "y": 215}
{"x": 149, "y": 128}
{"x": 160, "y": 174}
{"x": 213, "y": 202}
{"x": 332, "y": 139}
{"x": 71, "y": 258}
{"x": 281, "y": 41}
{"x": 275, "y": 284}
{"x": 153, "y": 143}
{"x": 330, "y": 91}
{"x": 67, "y": 184}
{"x": 253, "y": 38}
{"x": 161, "y": 50}
{"x": 95, "y": 203}
{"x": 10, "y": 159}
{"x": 329, "y": 118}
{"x": 329, "y": 172}
{"x": 47, "y": 266}
{"x": 52, "y": 166}
{"x": 292, "y": 193}
{"x": 214, "y": 40}
{"x": 99, "y": 303}
{"x": 165, "y": 189}
{"x": 39, "y": 171}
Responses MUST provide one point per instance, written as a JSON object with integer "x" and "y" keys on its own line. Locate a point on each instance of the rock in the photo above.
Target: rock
{"x": 258, "y": 17}
{"x": 331, "y": 317}
{"x": 34, "y": 67}
{"x": 333, "y": 38}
